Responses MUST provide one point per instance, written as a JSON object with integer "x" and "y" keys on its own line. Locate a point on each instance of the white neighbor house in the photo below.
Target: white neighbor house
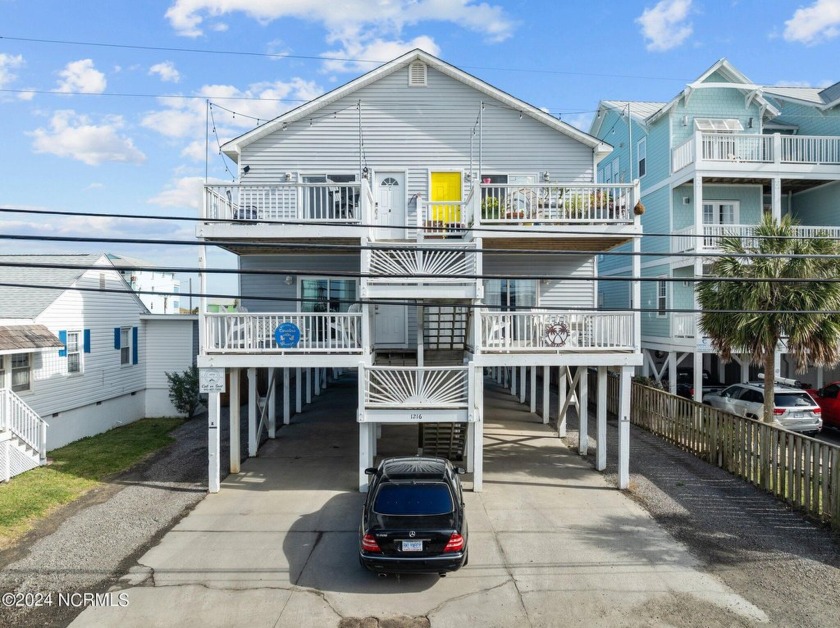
{"x": 158, "y": 290}
{"x": 470, "y": 222}
{"x": 79, "y": 351}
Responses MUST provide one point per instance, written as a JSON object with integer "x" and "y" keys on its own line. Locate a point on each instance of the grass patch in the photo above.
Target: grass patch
{"x": 75, "y": 470}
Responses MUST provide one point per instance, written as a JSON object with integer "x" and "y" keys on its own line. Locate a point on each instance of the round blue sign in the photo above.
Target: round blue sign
{"x": 287, "y": 335}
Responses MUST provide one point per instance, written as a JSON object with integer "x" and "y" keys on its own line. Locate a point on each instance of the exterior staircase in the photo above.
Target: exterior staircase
{"x": 23, "y": 436}
{"x": 444, "y": 440}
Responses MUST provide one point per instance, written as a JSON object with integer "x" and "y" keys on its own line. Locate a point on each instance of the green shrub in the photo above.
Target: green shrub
{"x": 184, "y": 391}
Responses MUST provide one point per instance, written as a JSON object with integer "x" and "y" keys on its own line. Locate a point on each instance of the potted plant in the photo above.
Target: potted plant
{"x": 490, "y": 208}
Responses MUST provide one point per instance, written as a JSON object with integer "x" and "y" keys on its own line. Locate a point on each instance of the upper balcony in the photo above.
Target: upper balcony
{"x": 344, "y": 211}
{"x": 754, "y": 154}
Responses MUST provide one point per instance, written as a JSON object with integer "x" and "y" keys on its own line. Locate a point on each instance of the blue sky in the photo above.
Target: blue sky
{"x": 114, "y": 122}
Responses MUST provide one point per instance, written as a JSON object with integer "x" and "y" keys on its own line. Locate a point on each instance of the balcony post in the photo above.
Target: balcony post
{"x": 776, "y": 196}
{"x": 698, "y": 148}
{"x": 777, "y": 149}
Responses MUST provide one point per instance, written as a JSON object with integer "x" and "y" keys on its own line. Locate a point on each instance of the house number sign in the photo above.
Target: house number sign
{"x": 287, "y": 335}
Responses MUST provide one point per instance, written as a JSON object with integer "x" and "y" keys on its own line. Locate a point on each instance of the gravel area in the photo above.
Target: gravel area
{"x": 85, "y": 546}
{"x": 784, "y": 563}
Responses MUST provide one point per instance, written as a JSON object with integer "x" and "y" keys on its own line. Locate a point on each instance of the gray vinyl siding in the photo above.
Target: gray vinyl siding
{"x": 810, "y": 120}
{"x": 560, "y": 294}
{"x": 103, "y": 377}
{"x": 616, "y": 293}
{"x": 415, "y": 129}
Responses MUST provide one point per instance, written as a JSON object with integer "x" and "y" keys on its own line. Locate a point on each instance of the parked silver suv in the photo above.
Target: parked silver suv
{"x": 794, "y": 408}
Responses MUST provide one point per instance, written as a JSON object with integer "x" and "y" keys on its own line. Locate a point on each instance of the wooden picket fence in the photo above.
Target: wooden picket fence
{"x": 799, "y": 470}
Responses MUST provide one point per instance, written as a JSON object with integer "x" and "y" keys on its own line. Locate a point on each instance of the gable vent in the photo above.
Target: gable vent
{"x": 417, "y": 74}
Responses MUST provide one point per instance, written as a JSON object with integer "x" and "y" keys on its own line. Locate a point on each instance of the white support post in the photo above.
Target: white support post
{"x": 672, "y": 372}
{"x": 42, "y": 446}
{"x": 234, "y": 420}
{"x": 513, "y": 381}
{"x": 298, "y": 391}
{"x": 533, "y": 390}
{"x": 776, "y": 198}
{"x": 624, "y": 429}
{"x": 287, "y": 410}
{"x": 478, "y": 449}
{"x": 317, "y": 381}
{"x": 213, "y": 442}
{"x": 601, "y": 440}
{"x": 272, "y": 403}
{"x": 522, "y": 384}
{"x": 562, "y": 405}
{"x": 469, "y": 450}
{"x": 324, "y": 379}
{"x": 698, "y": 376}
{"x": 583, "y": 411}
{"x": 820, "y": 377}
{"x": 364, "y": 455}
{"x": 253, "y": 437}
{"x": 308, "y": 385}
{"x": 546, "y": 409}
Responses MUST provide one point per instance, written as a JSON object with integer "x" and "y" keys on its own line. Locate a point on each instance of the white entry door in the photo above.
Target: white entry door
{"x": 390, "y": 205}
{"x": 390, "y": 325}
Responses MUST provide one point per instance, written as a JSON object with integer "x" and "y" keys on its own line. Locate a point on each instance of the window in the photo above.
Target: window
{"x": 327, "y": 295}
{"x": 21, "y": 376}
{"x": 616, "y": 177}
{"x": 510, "y": 294}
{"x": 74, "y": 353}
{"x": 606, "y": 173}
{"x": 661, "y": 298}
{"x": 413, "y": 499}
{"x": 125, "y": 345}
{"x": 641, "y": 156}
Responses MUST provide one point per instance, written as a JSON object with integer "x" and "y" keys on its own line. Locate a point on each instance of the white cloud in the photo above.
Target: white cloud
{"x": 81, "y": 76}
{"x": 74, "y": 135}
{"x": 166, "y": 71}
{"x": 814, "y": 24}
{"x": 27, "y": 96}
{"x": 664, "y": 26}
{"x": 349, "y": 17}
{"x": 375, "y": 50}
{"x": 9, "y": 63}
{"x": 185, "y": 117}
{"x": 184, "y": 192}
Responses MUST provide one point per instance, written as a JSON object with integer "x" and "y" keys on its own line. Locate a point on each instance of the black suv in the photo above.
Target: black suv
{"x": 413, "y": 519}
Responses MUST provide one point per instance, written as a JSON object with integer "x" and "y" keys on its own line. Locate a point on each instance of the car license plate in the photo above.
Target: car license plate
{"x": 412, "y": 546}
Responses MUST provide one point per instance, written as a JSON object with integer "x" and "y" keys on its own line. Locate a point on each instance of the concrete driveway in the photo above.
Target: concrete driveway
{"x": 550, "y": 543}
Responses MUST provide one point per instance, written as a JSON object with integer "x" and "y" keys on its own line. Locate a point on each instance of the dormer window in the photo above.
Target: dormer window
{"x": 718, "y": 125}
{"x": 417, "y": 74}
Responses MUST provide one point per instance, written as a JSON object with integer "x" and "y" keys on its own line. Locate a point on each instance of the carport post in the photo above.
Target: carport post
{"x": 561, "y": 414}
{"x": 522, "y": 383}
{"x": 624, "y": 429}
{"x": 308, "y": 385}
{"x": 513, "y": 381}
{"x": 469, "y": 449}
{"x": 583, "y": 412}
{"x": 298, "y": 400}
{"x": 252, "y": 412}
{"x": 365, "y": 458}
{"x": 546, "y": 408}
{"x": 533, "y": 390}
{"x": 478, "y": 449}
{"x": 272, "y": 403}
{"x": 213, "y": 442}
{"x": 317, "y": 380}
{"x": 286, "y": 400}
{"x": 601, "y": 446}
{"x": 235, "y": 420}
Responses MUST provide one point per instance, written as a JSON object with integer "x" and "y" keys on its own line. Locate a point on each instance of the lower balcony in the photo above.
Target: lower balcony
{"x": 690, "y": 240}
{"x": 548, "y": 332}
{"x": 283, "y": 333}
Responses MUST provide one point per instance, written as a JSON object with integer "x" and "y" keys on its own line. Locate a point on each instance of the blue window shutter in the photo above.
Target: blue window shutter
{"x": 87, "y": 341}
{"x": 134, "y": 347}
{"x": 62, "y": 338}
{"x": 116, "y": 337}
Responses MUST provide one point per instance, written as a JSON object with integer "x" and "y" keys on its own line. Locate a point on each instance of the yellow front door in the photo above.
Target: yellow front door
{"x": 446, "y": 186}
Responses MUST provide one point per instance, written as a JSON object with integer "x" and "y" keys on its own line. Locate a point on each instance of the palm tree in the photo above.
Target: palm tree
{"x": 753, "y": 316}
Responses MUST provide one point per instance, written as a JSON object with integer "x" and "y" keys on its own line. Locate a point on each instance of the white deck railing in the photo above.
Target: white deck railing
{"x": 757, "y": 148}
{"x": 557, "y": 203}
{"x": 687, "y": 239}
{"x": 683, "y": 325}
{"x": 316, "y": 202}
{"x": 431, "y": 264}
{"x": 415, "y": 387}
{"x": 23, "y": 422}
{"x": 543, "y": 331}
{"x": 443, "y": 218}
{"x": 320, "y": 332}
